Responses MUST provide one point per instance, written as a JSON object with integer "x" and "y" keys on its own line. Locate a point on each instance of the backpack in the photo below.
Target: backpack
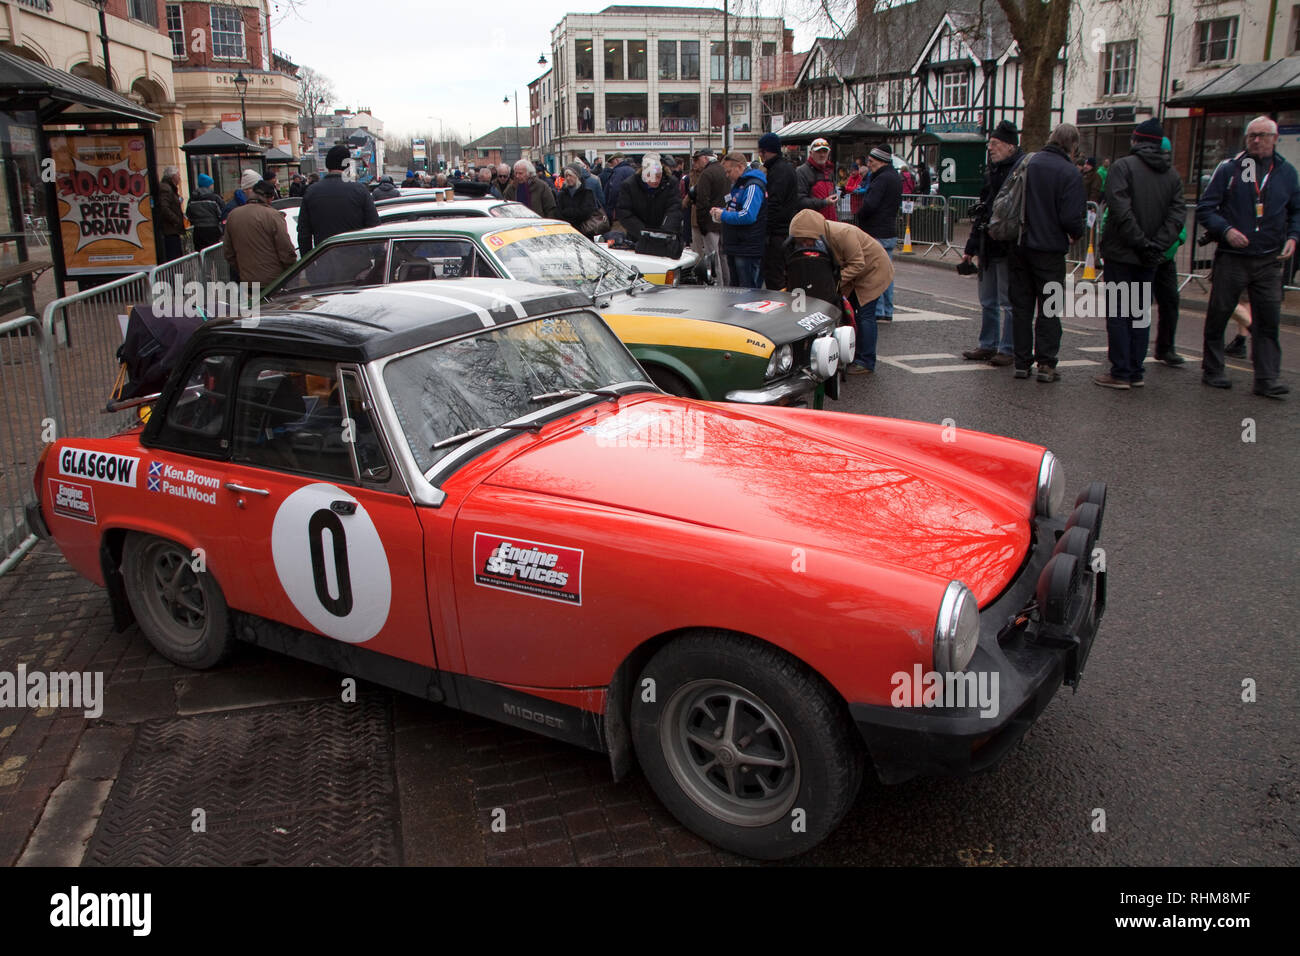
{"x": 1007, "y": 218}
{"x": 813, "y": 270}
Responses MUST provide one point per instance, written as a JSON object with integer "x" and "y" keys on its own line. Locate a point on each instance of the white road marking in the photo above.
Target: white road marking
{"x": 901, "y": 361}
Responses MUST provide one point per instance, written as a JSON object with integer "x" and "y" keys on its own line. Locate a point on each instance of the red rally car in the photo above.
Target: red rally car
{"x": 468, "y": 490}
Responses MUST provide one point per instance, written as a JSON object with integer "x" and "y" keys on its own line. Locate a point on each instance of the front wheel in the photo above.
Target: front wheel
{"x": 745, "y": 745}
{"x": 670, "y": 381}
{"x": 179, "y": 608}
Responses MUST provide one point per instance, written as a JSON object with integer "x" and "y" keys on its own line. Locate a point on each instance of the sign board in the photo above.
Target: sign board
{"x": 1100, "y": 115}
{"x": 231, "y": 123}
{"x": 510, "y": 153}
{"x": 778, "y": 120}
{"x": 417, "y": 149}
{"x": 105, "y": 209}
{"x": 645, "y": 145}
{"x": 953, "y": 128}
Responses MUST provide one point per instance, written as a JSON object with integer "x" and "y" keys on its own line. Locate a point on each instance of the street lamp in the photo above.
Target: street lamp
{"x": 241, "y": 84}
{"x": 103, "y": 41}
{"x": 506, "y": 99}
{"x": 541, "y": 60}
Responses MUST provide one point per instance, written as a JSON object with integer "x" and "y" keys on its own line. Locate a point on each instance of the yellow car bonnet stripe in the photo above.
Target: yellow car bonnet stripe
{"x": 687, "y": 333}
{"x": 498, "y": 240}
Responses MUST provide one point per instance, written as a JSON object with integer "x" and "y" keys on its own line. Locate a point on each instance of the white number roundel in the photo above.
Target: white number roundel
{"x": 332, "y": 566}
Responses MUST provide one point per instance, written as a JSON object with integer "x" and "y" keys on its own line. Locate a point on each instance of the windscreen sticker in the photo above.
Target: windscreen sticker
{"x": 548, "y": 571}
{"x": 762, "y": 305}
{"x": 99, "y": 466}
{"x": 72, "y": 500}
{"x": 331, "y": 562}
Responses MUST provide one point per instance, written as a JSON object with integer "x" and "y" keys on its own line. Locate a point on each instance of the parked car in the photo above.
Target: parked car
{"x": 741, "y": 345}
{"x": 491, "y": 508}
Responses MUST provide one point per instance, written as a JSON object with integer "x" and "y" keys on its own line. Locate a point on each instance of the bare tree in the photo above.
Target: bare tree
{"x": 1040, "y": 28}
{"x": 315, "y": 89}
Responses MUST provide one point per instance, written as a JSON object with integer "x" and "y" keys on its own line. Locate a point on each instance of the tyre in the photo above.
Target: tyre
{"x": 670, "y": 382}
{"x": 745, "y": 745}
{"x": 180, "y": 610}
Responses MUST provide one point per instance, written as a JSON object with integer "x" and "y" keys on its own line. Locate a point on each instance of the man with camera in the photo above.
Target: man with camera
{"x": 995, "y": 343}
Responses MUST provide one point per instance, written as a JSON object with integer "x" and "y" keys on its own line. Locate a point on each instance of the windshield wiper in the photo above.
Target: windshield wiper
{"x": 576, "y": 392}
{"x": 533, "y": 427}
{"x": 595, "y": 289}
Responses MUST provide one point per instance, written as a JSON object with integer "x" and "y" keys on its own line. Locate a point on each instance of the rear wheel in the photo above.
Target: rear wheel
{"x": 745, "y": 745}
{"x": 670, "y": 382}
{"x": 180, "y": 609}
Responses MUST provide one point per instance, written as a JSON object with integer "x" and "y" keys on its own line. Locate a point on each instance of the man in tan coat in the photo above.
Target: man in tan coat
{"x": 257, "y": 242}
{"x": 865, "y": 273}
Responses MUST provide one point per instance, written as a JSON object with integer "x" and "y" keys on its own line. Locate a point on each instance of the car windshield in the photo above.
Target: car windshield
{"x": 493, "y": 378}
{"x": 562, "y": 258}
{"x": 513, "y": 210}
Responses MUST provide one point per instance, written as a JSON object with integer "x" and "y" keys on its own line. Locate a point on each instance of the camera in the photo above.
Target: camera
{"x": 966, "y": 268}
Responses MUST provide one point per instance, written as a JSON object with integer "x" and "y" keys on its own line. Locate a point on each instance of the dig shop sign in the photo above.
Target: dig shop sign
{"x": 105, "y": 210}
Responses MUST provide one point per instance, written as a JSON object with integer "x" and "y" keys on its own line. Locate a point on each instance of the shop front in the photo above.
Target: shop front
{"x": 1105, "y": 131}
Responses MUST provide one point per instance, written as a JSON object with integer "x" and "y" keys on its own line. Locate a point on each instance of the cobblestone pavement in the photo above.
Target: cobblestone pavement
{"x": 453, "y": 775}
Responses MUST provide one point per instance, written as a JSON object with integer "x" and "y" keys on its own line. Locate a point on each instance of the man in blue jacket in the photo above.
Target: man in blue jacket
{"x": 1252, "y": 207}
{"x": 744, "y": 221}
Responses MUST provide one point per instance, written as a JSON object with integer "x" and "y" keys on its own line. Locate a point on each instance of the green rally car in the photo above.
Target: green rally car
{"x": 740, "y": 345}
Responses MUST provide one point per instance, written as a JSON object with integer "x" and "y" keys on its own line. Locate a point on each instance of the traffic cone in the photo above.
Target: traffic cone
{"x": 907, "y": 238}
{"x": 1090, "y": 263}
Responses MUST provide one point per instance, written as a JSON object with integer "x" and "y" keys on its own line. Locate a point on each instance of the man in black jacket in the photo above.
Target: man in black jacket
{"x": 1054, "y": 217}
{"x": 1145, "y": 213}
{"x": 782, "y": 204}
{"x": 709, "y": 188}
{"x": 332, "y": 205}
{"x": 204, "y": 213}
{"x": 649, "y": 201}
{"x": 995, "y": 344}
{"x": 878, "y": 214}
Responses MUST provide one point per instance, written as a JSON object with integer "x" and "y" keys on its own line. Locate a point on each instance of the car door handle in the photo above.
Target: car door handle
{"x": 244, "y": 489}
{"x": 342, "y": 507}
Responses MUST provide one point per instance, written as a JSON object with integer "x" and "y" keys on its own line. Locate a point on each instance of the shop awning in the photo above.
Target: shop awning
{"x": 850, "y": 124}
{"x": 57, "y": 96}
{"x": 217, "y": 140}
{"x": 276, "y": 155}
{"x": 1252, "y": 86}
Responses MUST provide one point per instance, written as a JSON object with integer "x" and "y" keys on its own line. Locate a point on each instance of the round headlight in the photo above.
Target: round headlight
{"x": 1051, "y": 486}
{"x": 957, "y": 631}
{"x": 781, "y": 362}
{"x": 825, "y": 356}
{"x": 847, "y": 337}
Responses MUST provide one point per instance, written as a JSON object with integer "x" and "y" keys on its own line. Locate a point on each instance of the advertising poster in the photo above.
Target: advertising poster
{"x": 105, "y": 212}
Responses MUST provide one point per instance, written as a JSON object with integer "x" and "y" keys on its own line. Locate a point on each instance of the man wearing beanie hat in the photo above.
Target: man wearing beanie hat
{"x": 1252, "y": 207}
{"x": 1054, "y": 214}
{"x": 782, "y": 204}
{"x": 334, "y": 205}
{"x": 878, "y": 214}
{"x": 1145, "y": 211}
{"x": 996, "y": 339}
{"x": 204, "y": 213}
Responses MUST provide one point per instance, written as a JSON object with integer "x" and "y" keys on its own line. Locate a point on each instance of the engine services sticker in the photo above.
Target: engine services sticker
{"x": 548, "y": 571}
{"x": 72, "y": 500}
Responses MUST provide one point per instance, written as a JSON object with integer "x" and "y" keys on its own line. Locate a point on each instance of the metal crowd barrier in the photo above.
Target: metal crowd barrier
{"x": 928, "y": 223}
{"x": 959, "y": 223}
{"x": 26, "y": 425}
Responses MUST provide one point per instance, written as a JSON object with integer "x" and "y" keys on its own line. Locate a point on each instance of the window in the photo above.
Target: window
{"x": 196, "y": 420}
{"x": 1118, "y": 68}
{"x": 146, "y": 11}
{"x": 582, "y": 60}
{"x": 613, "y": 59}
{"x": 679, "y": 112}
{"x": 896, "y": 101}
{"x": 1216, "y": 40}
{"x": 667, "y": 59}
{"x": 625, "y": 113}
{"x": 741, "y": 58}
{"x": 586, "y": 113}
{"x": 636, "y": 65}
{"x": 767, "y": 67}
{"x": 690, "y": 59}
{"x": 868, "y": 98}
{"x": 436, "y": 259}
{"x": 352, "y": 264}
{"x": 837, "y": 101}
{"x": 289, "y": 415}
{"x": 176, "y": 30}
{"x": 717, "y": 59}
{"x": 956, "y": 90}
{"x": 227, "y": 33}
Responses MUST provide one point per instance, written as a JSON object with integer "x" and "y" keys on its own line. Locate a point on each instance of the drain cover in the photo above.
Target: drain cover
{"x": 297, "y": 785}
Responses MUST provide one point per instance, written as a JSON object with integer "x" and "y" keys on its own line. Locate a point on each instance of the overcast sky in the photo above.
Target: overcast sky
{"x": 409, "y": 60}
